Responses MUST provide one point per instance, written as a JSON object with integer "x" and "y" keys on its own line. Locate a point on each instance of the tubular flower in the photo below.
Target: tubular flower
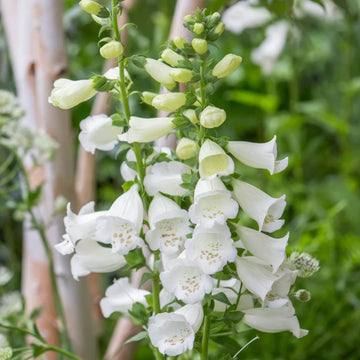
{"x": 169, "y": 102}
{"x": 68, "y": 93}
{"x": 259, "y": 156}
{"x": 169, "y": 225}
{"x": 186, "y": 148}
{"x": 98, "y": 132}
{"x": 213, "y": 160}
{"x": 171, "y": 57}
{"x": 122, "y": 223}
{"x": 121, "y": 296}
{"x": 181, "y": 75}
{"x": 160, "y": 72}
{"x": 261, "y": 207}
{"x": 145, "y": 130}
{"x": 227, "y": 65}
{"x": 213, "y": 203}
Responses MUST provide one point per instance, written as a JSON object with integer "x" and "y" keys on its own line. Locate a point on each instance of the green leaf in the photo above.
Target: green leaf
{"x": 118, "y": 119}
{"x": 36, "y": 313}
{"x": 125, "y": 26}
{"x": 126, "y": 186}
{"x": 222, "y": 298}
{"x": 102, "y": 84}
{"x": 135, "y": 258}
{"x": 139, "y": 314}
{"x": 145, "y": 277}
{"x": 140, "y": 336}
{"x": 180, "y": 122}
{"x": 103, "y": 13}
{"x": 229, "y": 344}
{"x": 38, "y": 350}
{"x": 123, "y": 147}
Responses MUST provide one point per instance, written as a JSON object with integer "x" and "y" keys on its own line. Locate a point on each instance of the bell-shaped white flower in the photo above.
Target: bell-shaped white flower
{"x": 274, "y": 320}
{"x": 270, "y": 49}
{"x": 121, "y": 296}
{"x": 242, "y": 15}
{"x": 167, "y": 178}
{"x": 213, "y": 203}
{"x": 83, "y": 225}
{"x": 169, "y": 225}
{"x": 255, "y": 275}
{"x": 193, "y": 314}
{"x": 146, "y": 130}
{"x": 211, "y": 248}
{"x": 261, "y": 207}
{"x": 213, "y": 160}
{"x": 259, "y": 156}
{"x": 98, "y": 132}
{"x": 264, "y": 247}
{"x": 68, "y": 93}
{"x": 92, "y": 257}
{"x": 160, "y": 72}
{"x": 65, "y": 247}
{"x": 122, "y": 223}
{"x": 186, "y": 280}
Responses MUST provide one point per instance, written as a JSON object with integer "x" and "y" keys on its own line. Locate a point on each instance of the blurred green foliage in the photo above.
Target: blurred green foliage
{"x": 311, "y": 101}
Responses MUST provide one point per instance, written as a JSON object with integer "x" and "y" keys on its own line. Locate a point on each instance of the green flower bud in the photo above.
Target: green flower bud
{"x": 198, "y": 28}
{"x": 227, "y": 65}
{"x": 186, "y": 148}
{"x": 171, "y": 57}
{"x": 181, "y": 75}
{"x": 60, "y": 203}
{"x": 199, "y": 45}
{"x": 111, "y": 50}
{"x": 303, "y": 295}
{"x": 90, "y": 6}
{"x": 148, "y": 97}
{"x": 188, "y": 18}
{"x": 169, "y": 102}
{"x": 179, "y": 42}
{"x": 219, "y": 29}
{"x": 191, "y": 115}
{"x": 212, "y": 117}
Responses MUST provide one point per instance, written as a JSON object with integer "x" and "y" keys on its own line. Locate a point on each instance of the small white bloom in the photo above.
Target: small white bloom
{"x": 5, "y": 275}
{"x": 270, "y": 49}
{"x": 169, "y": 225}
{"x": 145, "y": 130}
{"x": 127, "y": 173}
{"x": 242, "y": 15}
{"x": 166, "y": 177}
{"x": 98, "y": 132}
{"x": 121, "y": 296}
{"x": 160, "y": 72}
{"x": 213, "y": 203}
{"x": 92, "y": 257}
{"x": 274, "y": 320}
{"x": 211, "y": 248}
{"x": 259, "y": 156}
{"x": 264, "y": 247}
{"x": 213, "y": 160}
{"x": 186, "y": 280}
{"x": 255, "y": 275}
{"x": 122, "y": 223}
{"x": 261, "y": 207}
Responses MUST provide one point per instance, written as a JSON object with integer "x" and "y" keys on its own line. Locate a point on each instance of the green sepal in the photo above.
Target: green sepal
{"x": 103, "y": 84}
{"x": 103, "y": 13}
{"x": 136, "y": 259}
{"x": 140, "y": 336}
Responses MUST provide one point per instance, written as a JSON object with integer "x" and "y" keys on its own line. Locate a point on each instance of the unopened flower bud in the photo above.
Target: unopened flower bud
{"x": 186, "y": 148}
{"x": 199, "y": 45}
{"x": 148, "y": 97}
{"x": 198, "y": 28}
{"x": 188, "y": 18}
{"x": 215, "y": 16}
{"x": 111, "y": 50}
{"x": 90, "y": 6}
{"x": 171, "y": 57}
{"x": 160, "y": 72}
{"x": 179, "y": 42}
{"x": 219, "y": 29}
{"x": 60, "y": 204}
{"x": 191, "y": 115}
{"x": 227, "y": 65}
{"x": 212, "y": 117}
{"x": 303, "y": 295}
{"x": 181, "y": 75}
{"x": 169, "y": 102}
{"x": 305, "y": 263}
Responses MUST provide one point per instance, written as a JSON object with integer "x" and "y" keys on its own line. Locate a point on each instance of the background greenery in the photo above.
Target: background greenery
{"x": 311, "y": 101}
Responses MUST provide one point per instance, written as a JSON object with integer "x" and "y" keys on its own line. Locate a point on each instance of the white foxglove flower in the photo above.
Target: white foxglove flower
{"x": 98, "y": 132}
{"x": 270, "y": 49}
{"x": 213, "y": 203}
{"x": 127, "y": 173}
{"x": 92, "y": 257}
{"x": 121, "y": 296}
{"x": 65, "y": 247}
{"x": 259, "y": 156}
{"x": 211, "y": 248}
{"x": 68, "y": 93}
{"x": 193, "y": 314}
{"x": 186, "y": 280}
{"x": 169, "y": 225}
{"x": 274, "y": 320}
{"x": 122, "y": 223}
{"x": 264, "y": 247}
{"x": 242, "y": 15}
{"x": 255, "y": 275}
{"x": 146, "y": 130}
{"x": 160, "y": 72}
{"x": 213, "y": 160}
{"x": 261, "y": 207}
{"x": 166, "y": 177}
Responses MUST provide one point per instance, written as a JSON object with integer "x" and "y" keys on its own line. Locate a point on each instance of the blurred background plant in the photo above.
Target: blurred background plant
{"x": 300, "y": 80}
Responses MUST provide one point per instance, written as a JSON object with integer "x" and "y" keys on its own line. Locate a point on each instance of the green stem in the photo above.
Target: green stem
{"x": 205, "y": 339}
{"x": 114, "y": 21}
{"x": 156, "y": 286}
{"x": 63, "y": 352}
{"x": 202, "y": 85}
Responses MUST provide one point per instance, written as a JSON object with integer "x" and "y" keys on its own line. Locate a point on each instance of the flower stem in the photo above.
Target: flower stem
{"x": 205, "y": 339}
{"x": 156, "y": 286}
